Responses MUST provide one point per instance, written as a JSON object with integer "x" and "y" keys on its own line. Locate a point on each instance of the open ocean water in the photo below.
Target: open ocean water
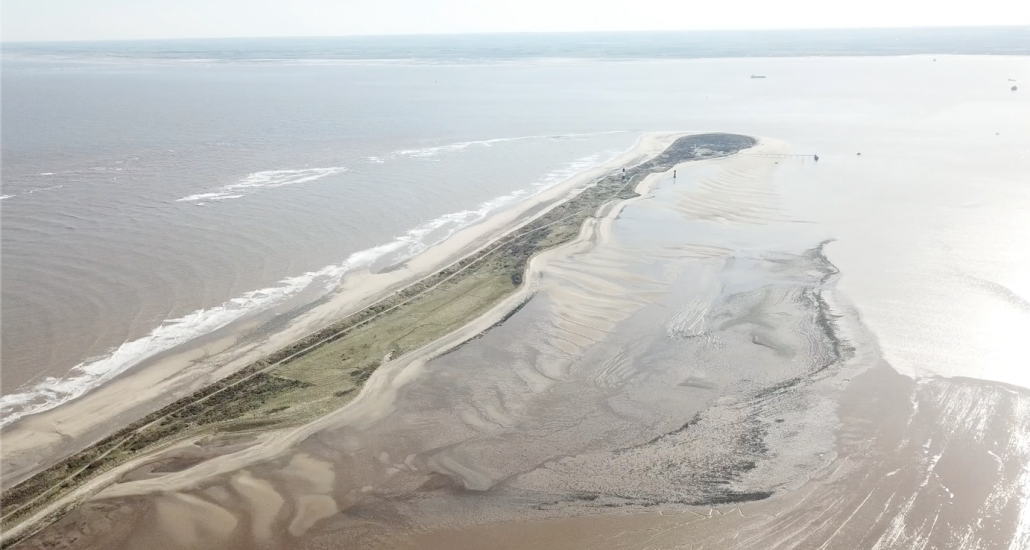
{"x": 156, "y": 191}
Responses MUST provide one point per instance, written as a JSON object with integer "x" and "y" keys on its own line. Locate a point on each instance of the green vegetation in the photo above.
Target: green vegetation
{"x": 321, "y": 372}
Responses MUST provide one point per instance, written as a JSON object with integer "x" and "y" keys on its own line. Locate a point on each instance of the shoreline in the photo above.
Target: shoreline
{"x": 653, "y": 145}
{"x": 381, "y": 388}
{"x": 803, "y": 457}
{"x": 177, "y": 372}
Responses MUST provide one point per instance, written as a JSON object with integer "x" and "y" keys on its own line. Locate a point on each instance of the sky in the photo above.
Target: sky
{"x": 58, "y": 20}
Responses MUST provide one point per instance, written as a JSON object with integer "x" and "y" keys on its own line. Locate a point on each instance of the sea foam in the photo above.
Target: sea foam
{"x": 264, "y": 180}
{"x": 52, "y": 391}
{"x": 427, "y": 152}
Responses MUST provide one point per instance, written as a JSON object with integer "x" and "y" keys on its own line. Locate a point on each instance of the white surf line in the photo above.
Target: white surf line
{"x": 33, "y": 191}
{"x": 432, "y": 151}
{"x": 408, "y": 365}
{"x": 52, "y": 392}
{"x": 265, "y": 179}
{"x": 385, "y": 381}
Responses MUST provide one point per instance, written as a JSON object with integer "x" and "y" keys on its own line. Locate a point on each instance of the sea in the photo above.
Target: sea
{"x": 154, "y": 192}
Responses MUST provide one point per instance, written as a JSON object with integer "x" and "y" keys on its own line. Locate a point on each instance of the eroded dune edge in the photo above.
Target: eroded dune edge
{"x": 323, "y": 372}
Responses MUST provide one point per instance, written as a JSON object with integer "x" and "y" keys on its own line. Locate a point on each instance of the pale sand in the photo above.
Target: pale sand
{"x": 56, "y": 433}
{"x": 380, "y": 391}
{"x": 262, "y": 501}
{"x": 308, "y": 474}
{"x": 901, "y": 463}
{"x": 40, "y": 440}
{"x": 310, "y": 509}
{"x": 311, "y": 479}
{"x": 191, "y": 520}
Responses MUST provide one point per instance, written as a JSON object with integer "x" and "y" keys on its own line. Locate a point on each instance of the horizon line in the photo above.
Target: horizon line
{"x": 510, "y": 33}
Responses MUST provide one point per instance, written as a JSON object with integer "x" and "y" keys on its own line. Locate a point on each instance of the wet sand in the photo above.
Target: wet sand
{"x": 685, "y": 375}
{"x": 40, "y": 440}
{"x": 935, "y": 464}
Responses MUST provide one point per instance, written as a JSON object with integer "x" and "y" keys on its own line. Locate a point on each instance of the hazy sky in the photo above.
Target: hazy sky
{"x": 133, "y": 19}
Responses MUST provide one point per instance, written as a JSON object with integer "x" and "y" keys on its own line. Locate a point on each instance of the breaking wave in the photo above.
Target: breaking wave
{"x": 52, "y": 391}
{"x": 264, "y": 180}
{"x": 427, "y": 152}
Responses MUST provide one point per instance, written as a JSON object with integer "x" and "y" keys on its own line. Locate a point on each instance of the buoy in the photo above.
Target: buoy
{"x": 860, "y": 154}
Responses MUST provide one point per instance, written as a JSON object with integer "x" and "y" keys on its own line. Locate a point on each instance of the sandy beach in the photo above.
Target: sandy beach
{"x": 357, "y": 292}
{"x": 620, "y": 295}
{"x": 61, "y": 431}
{"x": 758, "y": 350}
{"x": 683, "y": 372}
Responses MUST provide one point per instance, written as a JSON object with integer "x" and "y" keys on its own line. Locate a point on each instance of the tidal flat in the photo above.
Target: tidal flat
{"x": 682, "y": 371}
{"x": 319, "y": 373}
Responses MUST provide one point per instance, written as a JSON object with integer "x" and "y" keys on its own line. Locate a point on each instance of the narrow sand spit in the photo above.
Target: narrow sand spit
{"x": 40, "y": 440}
{"x": 380, "y": 391}
{"x": 585, "y": 289}
{"x": 683, "y": 373}
{"x": 651, "y": 145}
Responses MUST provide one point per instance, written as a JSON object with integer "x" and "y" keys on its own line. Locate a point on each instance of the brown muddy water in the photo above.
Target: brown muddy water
{"x": 686, "y": 375}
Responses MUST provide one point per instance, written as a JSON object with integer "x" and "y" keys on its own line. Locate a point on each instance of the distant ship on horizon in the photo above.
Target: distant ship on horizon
{"x": 757, "y": 76}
